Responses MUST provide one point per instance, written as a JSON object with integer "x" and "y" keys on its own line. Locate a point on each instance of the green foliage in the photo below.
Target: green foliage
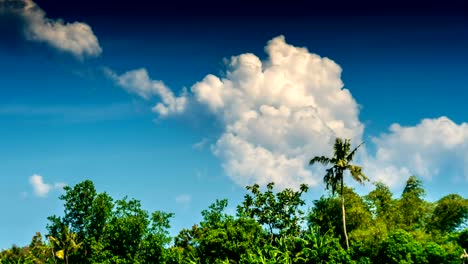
{"x": 449, "y": 214}
{"x": 14, "y": 255}
{"x": 39, "y": 251}
{"x": 366, "y": 240}
{"x": 215, "y": 213}
{"x": 219, "y": 237}
{"x": 381, "y": 203}
{"x": 413, "y": 210}
{"x": 105, "y": 231}
{"x": 326, "y": 213}
{"x": 65, "y": 245}
{"x": 280, "y": 213}
{"x": 322, "y": 248}
{"x": 268, "y": 227}
{"x": 400, "y": 247}
{"x": 86, "y": 214}
{"x": 435, "y": 253}
{"x": 310, "y": 247}
{"x": 462, "y": 238}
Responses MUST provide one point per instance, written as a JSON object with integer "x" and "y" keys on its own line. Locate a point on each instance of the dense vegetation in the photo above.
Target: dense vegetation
{"x": 269, "y": 227}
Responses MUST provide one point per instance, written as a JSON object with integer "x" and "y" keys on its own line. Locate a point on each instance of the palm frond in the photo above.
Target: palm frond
{"x": 320, "y": 159}
{"x": 357, "y": 174}
{"x": 330, "y": 180}
{"x": 351, "y": 155}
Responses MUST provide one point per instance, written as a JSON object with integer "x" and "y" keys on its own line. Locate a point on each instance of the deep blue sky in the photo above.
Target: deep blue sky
{"x": 62, "y": 119}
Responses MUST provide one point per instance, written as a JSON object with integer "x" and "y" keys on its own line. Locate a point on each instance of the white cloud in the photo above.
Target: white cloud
{"x": 138, "y": 82}
{"x": 432, "y": 147}
{"x": 76, "y": 38}
{"x": 183, "y": 199}
{"x": 278, "y": 113}
{"x": 41, "y": 188}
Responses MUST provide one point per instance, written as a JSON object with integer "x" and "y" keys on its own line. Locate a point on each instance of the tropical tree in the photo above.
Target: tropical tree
{"x": 413, "y": 211}
{"x": 279, "y": 212}
{"x": 66, "y": 244}
{"x": 450, "y": 213}
{"x": 341, "y": 162}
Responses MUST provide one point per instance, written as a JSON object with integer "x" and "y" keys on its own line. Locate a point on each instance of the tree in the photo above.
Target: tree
{"x": 413, "y": 210}
{"x": 362, "y": 230}
{"x": 341, "y": 161}
{"x": 215, "y": 214}
{"x": 326, "y": 213}
{"x": 86, "y": 214}
{"x": 219, "y": 238}
{"x": 278, "y": 212}
{"x": 382, "y": 205}
{"x": 157, "y": 237}
{"x": 39, "y": 251}
{"x": 401, "y": 248}
{"x": 450, "y": 212}
{"x": 126, "y": 230}
{"x": 66, "y": 244}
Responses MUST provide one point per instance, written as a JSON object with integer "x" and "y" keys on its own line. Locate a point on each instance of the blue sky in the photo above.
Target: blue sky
{"x": 80, "y": 107}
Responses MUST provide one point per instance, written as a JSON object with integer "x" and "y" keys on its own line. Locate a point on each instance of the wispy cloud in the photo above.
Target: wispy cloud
{"x": 183, "y": 199}
{"x": 74, "y": 113}
{"x": 200, "y": 144}
{"x": 41, "y": 188}
{"x": 76, "y": 38}
{"x": 138, "y": 82}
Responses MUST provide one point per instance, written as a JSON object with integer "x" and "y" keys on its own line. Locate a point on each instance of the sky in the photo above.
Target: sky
{"x": 177, "y": 107}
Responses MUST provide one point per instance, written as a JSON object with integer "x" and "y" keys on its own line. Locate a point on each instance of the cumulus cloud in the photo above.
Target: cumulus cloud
{"x": 278, "y": 113}
{"x": 40, "y": 188}
{"x": 138, "y": 82}
{"x": 76, "y": 38}
{"x": 432, "y": 147}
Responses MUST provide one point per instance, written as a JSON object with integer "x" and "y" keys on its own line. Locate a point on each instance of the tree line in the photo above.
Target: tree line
{"x": 270, "y": 226}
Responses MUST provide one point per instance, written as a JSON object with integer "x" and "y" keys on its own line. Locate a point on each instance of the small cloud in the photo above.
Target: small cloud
{"x": 138, "y": 82}
{"x": 76, "y": 38}
{"x": 184, "y": 199}
{"x": 201, "y": 144}
{"x": 41, "y": 188}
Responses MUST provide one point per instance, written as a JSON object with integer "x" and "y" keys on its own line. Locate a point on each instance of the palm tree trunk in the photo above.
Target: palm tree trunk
{"x": 344, "y": 216}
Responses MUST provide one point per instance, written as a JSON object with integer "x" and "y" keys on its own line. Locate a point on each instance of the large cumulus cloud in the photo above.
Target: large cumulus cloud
{"x": 278, "y": 113}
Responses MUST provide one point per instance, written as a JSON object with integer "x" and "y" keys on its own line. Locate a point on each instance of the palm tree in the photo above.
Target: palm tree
{"x": 341, "y": 161}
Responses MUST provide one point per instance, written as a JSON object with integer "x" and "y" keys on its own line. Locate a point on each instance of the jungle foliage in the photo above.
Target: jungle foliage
{"x": 270, "y": 226}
